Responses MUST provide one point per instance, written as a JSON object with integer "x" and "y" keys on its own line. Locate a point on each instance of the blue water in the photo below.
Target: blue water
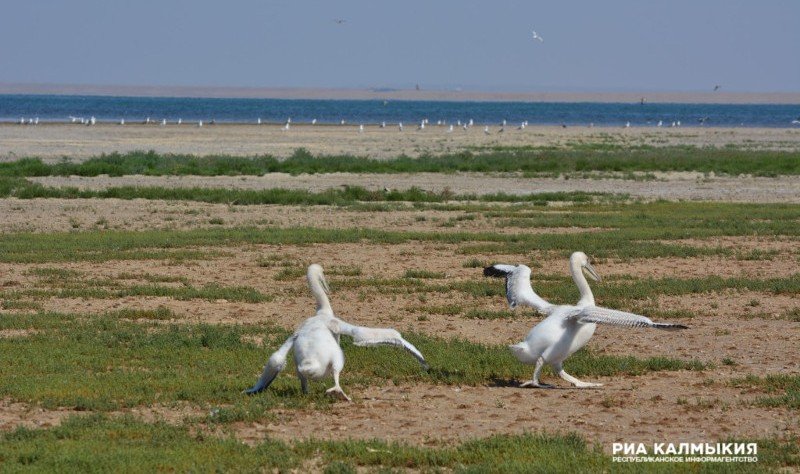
{"x": 56, "y": 108}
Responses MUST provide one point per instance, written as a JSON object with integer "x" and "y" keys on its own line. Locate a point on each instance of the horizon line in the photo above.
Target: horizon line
{"x": 400, "y": 94}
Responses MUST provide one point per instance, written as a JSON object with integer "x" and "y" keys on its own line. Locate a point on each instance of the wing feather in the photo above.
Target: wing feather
{"x": 613, "y": 317}
{"x": 366, "y": 336}
{"x": 519, "y": 291}
{"x": 276, "y": 363}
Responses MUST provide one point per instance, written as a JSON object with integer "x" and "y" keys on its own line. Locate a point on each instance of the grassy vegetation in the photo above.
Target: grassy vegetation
{"x": 109, "y": 362}
{"x": 499, "y": 159}
{"x": 348, "y": 196}
{"x": 63, "y": 283}
{"x": 631, "y": 231}
{"x": 783, "y": 390}
{"x": 98, "y": 443}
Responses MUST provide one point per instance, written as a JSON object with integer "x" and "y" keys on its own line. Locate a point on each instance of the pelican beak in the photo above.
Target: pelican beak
{"x": 590, "y": 270}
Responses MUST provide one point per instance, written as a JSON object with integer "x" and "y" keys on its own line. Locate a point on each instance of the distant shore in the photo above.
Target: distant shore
{"x": 707, "y": 97}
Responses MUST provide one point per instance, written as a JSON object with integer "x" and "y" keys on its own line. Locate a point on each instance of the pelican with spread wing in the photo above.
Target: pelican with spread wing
{"x": 317, "y": 354}
{"x": 567, "y": 328}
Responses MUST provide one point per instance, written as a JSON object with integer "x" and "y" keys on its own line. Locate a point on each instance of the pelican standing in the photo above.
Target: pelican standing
{"x": 450, "y": 130}
{"x": 122, "y": 121}
{"x": 316, "y": 348}
{"x": 567, "y": 328}
{"x": 486, "y": 130}
{"x": 361, "y": 128}
{"x": 313, "y": 121}
{"x": 400, "y": 126}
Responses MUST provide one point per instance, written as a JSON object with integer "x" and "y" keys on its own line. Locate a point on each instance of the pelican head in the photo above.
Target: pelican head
{"x": 315, "y": 274}
{"x": 583, "y": 260}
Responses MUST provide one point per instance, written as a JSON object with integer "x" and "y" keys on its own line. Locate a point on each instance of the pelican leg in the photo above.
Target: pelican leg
{"x": 336, "y": 390}
{"x": 303, "y": 382}
{"x": 577, "y": 383}
{"x": 535, "y": 381}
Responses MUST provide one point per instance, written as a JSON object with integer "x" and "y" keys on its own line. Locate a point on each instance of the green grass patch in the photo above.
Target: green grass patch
{"x": 425, "y": 274}
{"x": 783, "y": 390}
{"x": 527, "y": 159}
{"x": 98, "y": 443}
{"x": 109, "y": 362}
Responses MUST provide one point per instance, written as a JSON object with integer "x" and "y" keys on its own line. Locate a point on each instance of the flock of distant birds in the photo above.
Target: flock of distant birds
{"x": 564, "y": 330}
{"x": 422, "y": 125}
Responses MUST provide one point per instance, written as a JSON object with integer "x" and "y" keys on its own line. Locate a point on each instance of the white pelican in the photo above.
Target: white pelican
{"x": 361, "y": 128}
{"x": 471, "y": 122}
{"x": 537, "y": 37}
{"x": 383, "y": 124}
{"x": 450, "y": 130}
{"x": 660, "y": 123}
{"x": 122, "y": 121}
{"x": 421, "y": 125}
{"x": 259, "y": 121}
{"x": 285, "y": 127}
{"x": 163, "y": 122}
{"x": 36, "y": 121}
{"x": 627, "y": 125}
{"x": 180, "y": 121}
{"x": 486, "y": 130}
{"x": 567, "y": 328}
{"x": 400, "y": 126}
{"x": 316, "y": 343}
{"x": 200, "y": 123}
{"x": 92, "y": 120}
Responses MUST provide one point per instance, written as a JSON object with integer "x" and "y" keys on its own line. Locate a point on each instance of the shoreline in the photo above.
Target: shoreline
{"x": 652, "y": 97}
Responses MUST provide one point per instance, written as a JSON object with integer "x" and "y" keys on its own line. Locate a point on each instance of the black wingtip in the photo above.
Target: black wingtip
{"x": 494, "y": 272}
{"x": 671, "y": 327}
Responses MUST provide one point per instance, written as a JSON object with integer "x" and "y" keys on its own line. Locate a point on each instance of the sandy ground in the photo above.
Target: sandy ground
{"x": 749, "y": 328}
{"x": 744, "y": 326}
{"x": 54, "y": 141}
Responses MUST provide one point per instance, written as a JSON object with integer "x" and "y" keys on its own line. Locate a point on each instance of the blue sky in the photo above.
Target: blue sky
{"x": 668, "y": 45}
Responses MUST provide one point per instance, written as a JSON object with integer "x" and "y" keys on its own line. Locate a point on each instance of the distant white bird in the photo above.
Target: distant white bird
{"x": 421, "y": 125}
{"x": 36, "y": 121}
{"x": 200, "y": 123}
{"x": 504, "y": 122}
{"x": 22, "y": 120}
{"x": 313, "y": 121}
{"x": 678, "y": 123}
{"x": 567, "y": 328}
{"x": 627, "y": 125}
{"x": 450, "y": 130}
{"x": 289, "y": 120}
{"x": 71, "y": 119}
{"x": 486, "y": 130}
{"x": 361, "y": 128}
{"x": 342, "y": 122}
{"x": 796, "y": 121}
{"x": 180, "y": 121}
{"x": 383, "y": 124}
{"x": 521, "y": 126}
{"x": 400, "y": 126}
{"x": 660, "y": 123}
{"x": 315, "y": 344}
{"x": 147, "y": 120}
{"x": 258, "y": 121}
{"x": 537, "y": 37}
{"x": 471, "y": 123}
{"x": 163, "y": 122}
{"x": 286, "y": 127}
{"x": 92, "y": 120}
{"x": 122, "y": 121}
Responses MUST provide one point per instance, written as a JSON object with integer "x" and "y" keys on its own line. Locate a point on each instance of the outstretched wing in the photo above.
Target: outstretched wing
{"x": 600, "y": 315}
{"x": 518, "y": 286}
{"x": 276, "y": 363}
{"x": 364, "y": 336}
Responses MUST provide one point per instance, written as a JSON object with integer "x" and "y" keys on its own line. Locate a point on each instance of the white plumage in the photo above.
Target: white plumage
{"x": 316, "y": 348}
{"x": 567, "y": 328}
